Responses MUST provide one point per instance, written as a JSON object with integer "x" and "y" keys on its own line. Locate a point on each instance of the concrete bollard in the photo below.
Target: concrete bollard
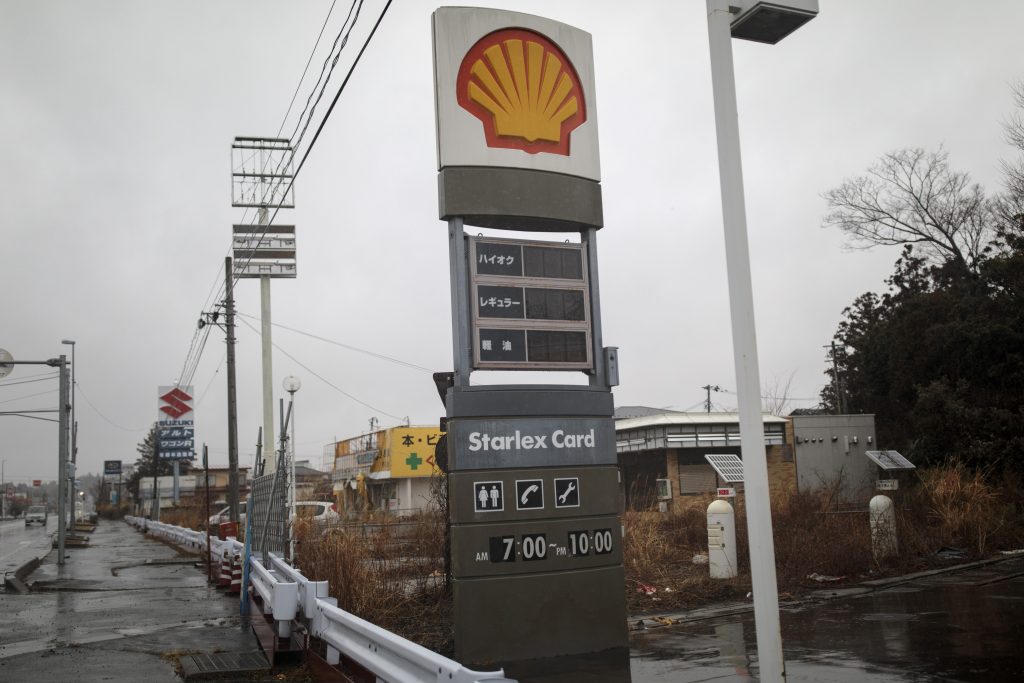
{"x": 722, "y": 540}
{"x": 883, "y": 527}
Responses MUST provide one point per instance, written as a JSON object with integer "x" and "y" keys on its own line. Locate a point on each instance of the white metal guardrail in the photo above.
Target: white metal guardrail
{"x": 280, "y": 598}
{"x": 286, "y": 594}
{"x": 390, "y": 657}
{"x": 309, "y": 591}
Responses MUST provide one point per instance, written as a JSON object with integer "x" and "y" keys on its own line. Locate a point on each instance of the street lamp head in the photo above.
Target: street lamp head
{"x": 291, "y": 384}
{"x": 769, "y": 22}
{"x": 68, "y": 341}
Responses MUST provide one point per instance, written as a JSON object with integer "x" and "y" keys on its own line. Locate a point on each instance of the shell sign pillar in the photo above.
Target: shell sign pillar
{"x": 516, "y": 126}
{"x": 532, "y": 478}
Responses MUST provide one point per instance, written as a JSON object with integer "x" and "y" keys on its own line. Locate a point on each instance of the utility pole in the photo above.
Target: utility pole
{"x": 74, "y": 434}
{"x": 153, "y": 512}
{"x": 229, "y": 324}
{"x": 62, "y": 462}
{"x": 707, "y": 402}
{"x": 835, "y": 353}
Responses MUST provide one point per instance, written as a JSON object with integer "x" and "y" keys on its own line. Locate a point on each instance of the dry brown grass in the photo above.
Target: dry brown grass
{"x": 188, "y": 516}
{"x": 950, "y": 506}
{"x": 388, "y": 572}
{"x": 392, "y": 572}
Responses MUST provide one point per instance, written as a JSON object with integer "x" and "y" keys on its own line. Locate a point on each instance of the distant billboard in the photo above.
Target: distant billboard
{"x": 176, "y": 424}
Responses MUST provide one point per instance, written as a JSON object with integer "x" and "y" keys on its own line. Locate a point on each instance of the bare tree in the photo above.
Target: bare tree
{"x": 1014, "y": 127}
{"x": 775, "y": 394}
{"x": 1009, "y": 211}
{"x": 911, "y": 196}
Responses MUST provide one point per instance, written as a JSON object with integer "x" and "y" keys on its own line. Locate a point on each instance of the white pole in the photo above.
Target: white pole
{"x": 291, "y": 482}
{"x": 268, "y": 367}
{"x": 741, "y": 309}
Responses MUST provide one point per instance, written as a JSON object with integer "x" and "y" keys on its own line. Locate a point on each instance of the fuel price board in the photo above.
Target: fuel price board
{"x": 531, "y": 305}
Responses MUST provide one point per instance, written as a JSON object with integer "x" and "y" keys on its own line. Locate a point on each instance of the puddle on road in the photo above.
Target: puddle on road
{"x": 942, "y": 630}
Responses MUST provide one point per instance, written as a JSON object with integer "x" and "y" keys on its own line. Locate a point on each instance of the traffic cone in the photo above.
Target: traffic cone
{"x": 224, "y": 577}
{"x": 236, "y": 575}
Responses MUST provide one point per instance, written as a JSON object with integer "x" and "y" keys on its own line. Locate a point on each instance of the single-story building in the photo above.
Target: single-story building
{"x": 655, "y": 444}
{"x": 665, "y": 449}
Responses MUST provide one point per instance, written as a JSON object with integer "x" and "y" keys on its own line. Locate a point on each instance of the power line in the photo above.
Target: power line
{"x": 323, "y": 122}
{"x": 41, "y": 393}
{"x": 788, "y": 398}
{"x": 324, "y": 380}
{"x": 78, "y": 384}
{"x": 210, "y": 383}
{"x": 26, "y": 380}
{"x": 287, "y": 159}
{"x": 309, "y": 148}
{"x": 31, "y": 417}
{"x": 390, "y": 359}
{"x": 298, "y": 86}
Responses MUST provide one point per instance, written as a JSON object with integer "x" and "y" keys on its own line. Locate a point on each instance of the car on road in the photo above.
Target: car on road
{"x": 319, "y": 512}
{"x": 225, "y": 516}
{"x": 36, "y": 514}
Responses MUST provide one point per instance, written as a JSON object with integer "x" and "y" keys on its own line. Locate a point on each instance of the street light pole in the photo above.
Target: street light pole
{"x": 291, "y": 385}
{"x": 764, "y": 23}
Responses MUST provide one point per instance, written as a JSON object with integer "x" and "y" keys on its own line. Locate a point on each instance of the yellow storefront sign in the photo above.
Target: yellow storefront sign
{"x": 412, "y": 451}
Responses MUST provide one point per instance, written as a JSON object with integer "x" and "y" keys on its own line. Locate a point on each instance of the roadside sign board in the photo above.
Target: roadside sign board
{"x": 263, "y": 250}
{"x": 531, "y": 442}
{"x": 176, "y": 424}
{"x": 111, "y": 467}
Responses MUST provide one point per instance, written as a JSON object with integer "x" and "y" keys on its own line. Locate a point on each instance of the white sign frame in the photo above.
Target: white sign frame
{"x": 460, "y": 135}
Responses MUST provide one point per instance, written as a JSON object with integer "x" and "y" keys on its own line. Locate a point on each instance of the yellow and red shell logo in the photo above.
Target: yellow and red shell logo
{"x": 524, "y": 90}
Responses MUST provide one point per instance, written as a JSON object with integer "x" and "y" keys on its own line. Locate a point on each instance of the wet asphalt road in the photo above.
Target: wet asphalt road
{"x": 120, "y": 610}
{"x": 963, "y": 626}
{"x": 20, "y": 543}
{"x": 124, "y": 608}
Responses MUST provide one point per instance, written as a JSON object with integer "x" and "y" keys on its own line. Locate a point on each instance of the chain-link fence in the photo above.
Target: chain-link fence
{"x": 269, "y": 510}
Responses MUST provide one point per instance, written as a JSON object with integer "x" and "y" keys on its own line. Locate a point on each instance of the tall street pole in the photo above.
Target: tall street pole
{"x": 62, "y": 461}
{"x": 266, "y": 342}
{"x": 744, "y": 340}
{"x": 74, "y": 433}
{"x": 229, "y": 324}
{"x": 156, "y": 462}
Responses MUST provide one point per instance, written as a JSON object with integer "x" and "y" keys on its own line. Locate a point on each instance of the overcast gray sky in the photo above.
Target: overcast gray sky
{"x": 116, "y": 120}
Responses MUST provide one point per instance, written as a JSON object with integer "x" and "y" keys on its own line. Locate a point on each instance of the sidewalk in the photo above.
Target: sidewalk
{"x": 124, "y": 608}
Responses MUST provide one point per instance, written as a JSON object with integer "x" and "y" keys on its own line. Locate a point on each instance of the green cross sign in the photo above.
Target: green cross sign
{"x": 413, "y": 461}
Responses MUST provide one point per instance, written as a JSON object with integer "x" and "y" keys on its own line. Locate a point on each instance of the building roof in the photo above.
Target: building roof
{"x": 663, "y": 418}
{"x": 623, "y": 412}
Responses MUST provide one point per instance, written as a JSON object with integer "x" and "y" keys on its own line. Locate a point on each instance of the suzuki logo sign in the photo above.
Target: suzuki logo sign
{"x": 176, "y": 403}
